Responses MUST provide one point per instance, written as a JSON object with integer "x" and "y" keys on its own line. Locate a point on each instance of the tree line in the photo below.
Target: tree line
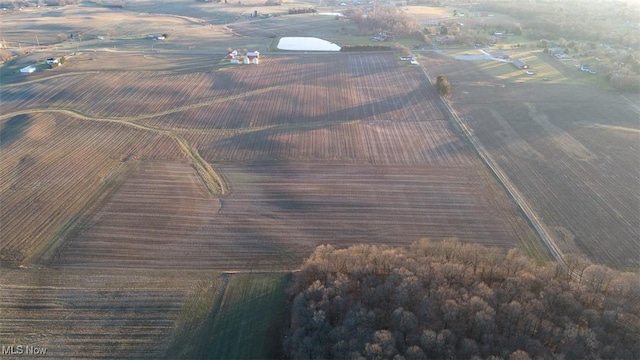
{"x": 459, "y": 301}
{"x": 387, "y": 19}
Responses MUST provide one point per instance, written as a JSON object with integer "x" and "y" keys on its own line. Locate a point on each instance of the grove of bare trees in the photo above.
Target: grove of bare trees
{"x": 451, "y": 300}
{"x": 388, "y": 19}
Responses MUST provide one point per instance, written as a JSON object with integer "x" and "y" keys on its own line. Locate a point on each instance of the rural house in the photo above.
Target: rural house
{"x": 232, "y": 55}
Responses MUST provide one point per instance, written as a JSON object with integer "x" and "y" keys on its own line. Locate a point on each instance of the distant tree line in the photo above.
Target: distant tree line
{"x": 450, "y": 300}
{"x": 366, "y": 48}
{"x": 388, "y": 19}
{"x": 308, "y": 10}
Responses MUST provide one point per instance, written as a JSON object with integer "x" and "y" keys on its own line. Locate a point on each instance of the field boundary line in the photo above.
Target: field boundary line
{"x": 535, "y": 221}
{"x": 213, "y": 182}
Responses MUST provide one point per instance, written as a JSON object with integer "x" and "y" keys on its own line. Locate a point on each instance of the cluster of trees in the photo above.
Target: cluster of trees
{"x": 309, "y": 10}
{"x": 389, "y": 19}
{"x": 473, "y": 31}
{"x": 443, "y": 86}
{"x": 347, "y": 48}
{"x": 453, "y": 300}
{"x": 626, "y": 83}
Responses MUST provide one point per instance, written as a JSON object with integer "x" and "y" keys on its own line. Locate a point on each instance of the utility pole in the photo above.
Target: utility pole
{"x": 37, "y": 41}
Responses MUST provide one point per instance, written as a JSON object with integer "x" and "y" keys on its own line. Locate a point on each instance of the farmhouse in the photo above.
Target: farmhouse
{"x": 520, "y": 64}
{"x": 232, "y": 55}
{"x": 381, "y": 36}
{"x": 52, "y": 61}
{"x": 28, "y": 69}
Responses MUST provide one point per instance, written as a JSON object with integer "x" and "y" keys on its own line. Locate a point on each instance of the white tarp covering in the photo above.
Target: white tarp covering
{"x": 28, "y": 69}
{"x": 306, "y": 44}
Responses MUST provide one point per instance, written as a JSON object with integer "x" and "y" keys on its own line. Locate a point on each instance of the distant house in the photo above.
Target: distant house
{"x": 406, "y": 58}
{"x": 28, "y": 69}
{"x": 232, "y": 55}
{"x": 520, "y": 64}
{"x": 52, "y": 61}
{"x": 585, "y": 68}
{"x": 381, "y": 36}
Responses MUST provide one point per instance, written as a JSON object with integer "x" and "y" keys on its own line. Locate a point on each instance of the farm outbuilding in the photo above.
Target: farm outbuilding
{"x": 252, "y": 57}
{"x": 520, "y": 64}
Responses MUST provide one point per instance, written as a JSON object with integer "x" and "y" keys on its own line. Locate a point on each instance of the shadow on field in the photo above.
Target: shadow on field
{"x": 13, "y": 129}
{"x": 264, "y": 144}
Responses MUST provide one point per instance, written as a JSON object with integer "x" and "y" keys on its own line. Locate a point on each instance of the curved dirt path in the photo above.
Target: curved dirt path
{"x": 213, "y": 181}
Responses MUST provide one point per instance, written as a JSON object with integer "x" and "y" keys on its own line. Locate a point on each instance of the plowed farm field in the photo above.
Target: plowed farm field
{"x": 125, "y": 192}
{"x": 306, "y": 150}
{"x": 571, "y": 150}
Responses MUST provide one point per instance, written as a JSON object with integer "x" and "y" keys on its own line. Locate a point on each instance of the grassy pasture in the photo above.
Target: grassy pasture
{"x": 422, "y": 13}
{"x": 547, "y": 69}
{"x": 250, "y": 317}
{"x": 537, "y": 62}
{"x": 239, "y": 317}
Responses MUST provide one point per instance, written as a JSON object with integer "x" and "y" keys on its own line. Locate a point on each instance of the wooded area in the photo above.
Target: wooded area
{"x": 453, "y": 300}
